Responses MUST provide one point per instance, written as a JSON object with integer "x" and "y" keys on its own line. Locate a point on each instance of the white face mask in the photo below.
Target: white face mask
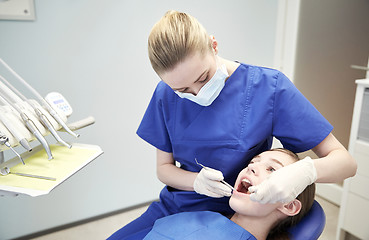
{"x": 210, "y": 91}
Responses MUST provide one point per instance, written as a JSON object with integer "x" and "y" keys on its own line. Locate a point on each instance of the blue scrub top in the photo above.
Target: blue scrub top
{"x": 255, "y": 104}
{"x": 197, "y": 225}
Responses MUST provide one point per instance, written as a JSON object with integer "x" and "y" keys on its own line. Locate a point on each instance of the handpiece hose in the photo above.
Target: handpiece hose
{"x": 44, "y": 103}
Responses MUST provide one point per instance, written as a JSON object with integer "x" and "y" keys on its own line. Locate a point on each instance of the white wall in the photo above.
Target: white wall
{"x": 95, "y": 54}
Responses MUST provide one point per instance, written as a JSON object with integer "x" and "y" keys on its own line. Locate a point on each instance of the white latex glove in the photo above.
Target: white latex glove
{"x": 286, "y": 183}
{"x": 208, "y": 183}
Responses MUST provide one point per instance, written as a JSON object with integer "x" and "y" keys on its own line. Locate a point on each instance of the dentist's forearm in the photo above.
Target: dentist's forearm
{"x": 171, "y": 175}
{"x": 176, "y": 177}
{"x": 335, "y": 167}
{"x": 335, "y": 163}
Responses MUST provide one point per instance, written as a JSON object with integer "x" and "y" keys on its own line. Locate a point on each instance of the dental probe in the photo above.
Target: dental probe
{"x": 227, "y": 184}
{"x": 38, "y": 112}
{"x": 222, "y": 181}
{"x": 4, "y": 140}
{"x": 43, "y": 101}
{"x": 5, "y": 171}
{"x": 30, "y": 125}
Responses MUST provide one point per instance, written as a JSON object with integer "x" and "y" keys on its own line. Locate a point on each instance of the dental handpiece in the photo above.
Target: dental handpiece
{"x": 58, "y": 118}
{"x": 30, "y": 125}
{"x": 49, "y": 126}
{"x": 11, "y": 89}
{"x": 44, "y": 103}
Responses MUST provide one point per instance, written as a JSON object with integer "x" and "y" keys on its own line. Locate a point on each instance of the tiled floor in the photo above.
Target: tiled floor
{"x": 102, "y": 228}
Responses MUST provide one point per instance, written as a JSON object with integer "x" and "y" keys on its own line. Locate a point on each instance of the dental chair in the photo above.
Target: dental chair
{"x": 311, "y": 226}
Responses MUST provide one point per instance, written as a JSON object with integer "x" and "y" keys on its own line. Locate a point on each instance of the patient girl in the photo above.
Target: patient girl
{"x": 251, "y": 220}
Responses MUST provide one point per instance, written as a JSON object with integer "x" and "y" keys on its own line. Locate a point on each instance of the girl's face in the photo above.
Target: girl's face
{"x": 190, "y": 75}
{"x": 258, "y": 170}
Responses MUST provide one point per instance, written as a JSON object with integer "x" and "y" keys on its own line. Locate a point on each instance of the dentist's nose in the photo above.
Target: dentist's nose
{"x": 195, "y": 90}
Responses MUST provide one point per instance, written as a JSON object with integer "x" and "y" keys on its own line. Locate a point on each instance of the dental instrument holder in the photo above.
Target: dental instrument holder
{"x": 40, "y": 98}
{"x": 4, "y": 140}
{"x": 15, "y": 95}
{"x": 12, "y": 142}
{"x": 31, "y": 126}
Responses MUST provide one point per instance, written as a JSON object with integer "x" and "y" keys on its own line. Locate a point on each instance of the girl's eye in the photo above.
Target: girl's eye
{"x": 271, "y": 169}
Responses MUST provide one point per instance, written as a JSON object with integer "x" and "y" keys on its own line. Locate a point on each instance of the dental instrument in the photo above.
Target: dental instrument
{"x": 15, "y": 131}
{"x": 30, "y": 125}
{"x": 41, "y": 99}
{"x": 227, "y": 184}
{"x": 4, "y": 140}
{"x": 222, "y": 181}
{"x": 9, "y": 89}
{"x": 5, "y": 171}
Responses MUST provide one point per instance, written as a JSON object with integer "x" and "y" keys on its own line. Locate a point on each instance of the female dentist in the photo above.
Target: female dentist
{"x": 222, "y": 113}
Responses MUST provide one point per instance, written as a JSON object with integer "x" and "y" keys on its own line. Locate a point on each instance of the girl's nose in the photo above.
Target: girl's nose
{"x": 253, "y": 169}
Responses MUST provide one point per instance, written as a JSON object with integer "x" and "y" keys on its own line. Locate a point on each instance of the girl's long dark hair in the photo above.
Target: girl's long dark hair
{"x": 280, "y": 231}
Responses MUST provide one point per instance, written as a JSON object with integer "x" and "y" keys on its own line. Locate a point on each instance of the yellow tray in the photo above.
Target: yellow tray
{"x": 66, "y": 162}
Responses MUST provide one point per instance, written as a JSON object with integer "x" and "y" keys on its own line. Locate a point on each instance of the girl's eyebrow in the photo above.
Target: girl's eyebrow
{"x": 272, "y": 159}
{"x": 277, "y": 161}
{"x": 182, "y": 88}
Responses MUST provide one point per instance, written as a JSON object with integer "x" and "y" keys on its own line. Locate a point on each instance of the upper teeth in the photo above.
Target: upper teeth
{"x": 246, "y": 180}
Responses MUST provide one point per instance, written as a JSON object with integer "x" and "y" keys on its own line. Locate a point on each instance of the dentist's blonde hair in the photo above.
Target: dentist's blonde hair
{"x": 174, "y": 37}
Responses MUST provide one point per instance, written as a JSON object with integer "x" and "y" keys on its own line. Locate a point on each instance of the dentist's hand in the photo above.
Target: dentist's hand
{"x": 286, "y": 183}
{"x": 208, "y": 183}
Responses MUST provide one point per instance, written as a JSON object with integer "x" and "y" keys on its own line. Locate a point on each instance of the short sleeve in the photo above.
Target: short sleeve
{"x": 153, "y": 127}
{"x": 296, "y": 122}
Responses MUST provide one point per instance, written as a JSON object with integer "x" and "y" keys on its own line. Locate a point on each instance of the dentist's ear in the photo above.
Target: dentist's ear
{"x": 292, "y": 208}
{"x": 214, "y": 44}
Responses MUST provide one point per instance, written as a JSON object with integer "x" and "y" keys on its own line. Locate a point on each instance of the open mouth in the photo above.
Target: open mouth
{"x": 243, "y": 187}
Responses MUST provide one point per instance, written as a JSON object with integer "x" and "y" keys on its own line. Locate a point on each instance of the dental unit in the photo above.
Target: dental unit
{"x": 23, "y": 120}
{"x": 44, "y": 119}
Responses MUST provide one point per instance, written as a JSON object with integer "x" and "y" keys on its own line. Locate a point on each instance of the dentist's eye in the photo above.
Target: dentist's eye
{"x": 184, "y": 90}
{"x": 202, "y": 81}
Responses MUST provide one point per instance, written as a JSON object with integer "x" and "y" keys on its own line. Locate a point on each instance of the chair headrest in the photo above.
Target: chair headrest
{"x": 311, "y": 226}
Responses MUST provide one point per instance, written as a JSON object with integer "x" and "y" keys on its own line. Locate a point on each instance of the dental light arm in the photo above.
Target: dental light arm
{"x": 41, "y": 99}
